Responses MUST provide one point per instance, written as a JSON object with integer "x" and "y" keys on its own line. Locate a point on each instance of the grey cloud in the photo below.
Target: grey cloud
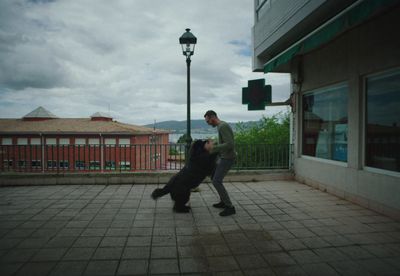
{"x": 79, "y": 57}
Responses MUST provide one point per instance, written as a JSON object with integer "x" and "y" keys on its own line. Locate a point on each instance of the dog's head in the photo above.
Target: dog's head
{"x": 197, "y": 147}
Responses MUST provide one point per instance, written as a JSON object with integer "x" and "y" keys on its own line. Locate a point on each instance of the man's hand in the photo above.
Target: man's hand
{"x": 208, "y": 146}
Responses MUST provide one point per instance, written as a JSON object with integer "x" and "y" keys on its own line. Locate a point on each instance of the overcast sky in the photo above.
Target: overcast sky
{"x": 77, "y": 57}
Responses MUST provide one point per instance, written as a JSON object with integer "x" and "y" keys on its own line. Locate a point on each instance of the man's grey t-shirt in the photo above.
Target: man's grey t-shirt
{"x": 226, "y": 143}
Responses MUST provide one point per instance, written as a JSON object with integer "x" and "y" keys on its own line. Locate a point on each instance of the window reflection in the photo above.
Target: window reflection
{"x": 383, "y": 122}
{"x": 325, "y": 123}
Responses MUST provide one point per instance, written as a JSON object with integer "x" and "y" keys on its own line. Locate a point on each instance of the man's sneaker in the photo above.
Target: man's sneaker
{"x": 219, "y": 205}
{"x": 228, "y": 211}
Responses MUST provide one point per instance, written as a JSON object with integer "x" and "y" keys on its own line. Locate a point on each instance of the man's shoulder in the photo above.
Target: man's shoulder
{"x": 224, "y": 124}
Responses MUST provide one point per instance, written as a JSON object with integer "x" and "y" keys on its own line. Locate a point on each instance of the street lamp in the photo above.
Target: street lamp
{"x": 188, "y": 42}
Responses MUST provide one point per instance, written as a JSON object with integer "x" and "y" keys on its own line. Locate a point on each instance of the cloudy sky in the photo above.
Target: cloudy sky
{"x": 77, "y": 57}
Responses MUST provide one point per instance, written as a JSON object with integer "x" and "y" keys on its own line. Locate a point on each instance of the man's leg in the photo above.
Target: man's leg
{"x": 222, "y": 169}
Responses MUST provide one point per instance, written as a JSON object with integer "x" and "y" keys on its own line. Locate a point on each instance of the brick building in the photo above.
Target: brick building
{"x": 42, "y": 142}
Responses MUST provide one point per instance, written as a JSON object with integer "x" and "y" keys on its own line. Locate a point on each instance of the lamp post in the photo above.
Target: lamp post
{"x": 188, "y": 42}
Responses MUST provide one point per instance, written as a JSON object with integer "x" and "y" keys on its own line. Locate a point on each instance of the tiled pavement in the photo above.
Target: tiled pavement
{"x": 281, "y": 228}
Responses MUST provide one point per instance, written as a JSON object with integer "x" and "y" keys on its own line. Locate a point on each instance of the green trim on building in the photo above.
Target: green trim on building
{"x": 348, "y": 20}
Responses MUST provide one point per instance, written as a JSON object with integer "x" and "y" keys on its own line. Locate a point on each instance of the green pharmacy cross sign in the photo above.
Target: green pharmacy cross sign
{"x": 256, "y": 95}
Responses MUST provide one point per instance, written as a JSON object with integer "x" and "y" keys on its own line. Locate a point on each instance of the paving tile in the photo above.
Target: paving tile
{"x": 242, "y": 248}
{"x": 113, "y": 242}
{"x": 305, "y": 256}
{"x": 36, "y": 269}
{"x": 61, "y": 242}
{"x": 164, "y": 266}
{"x": 193, "y": 265}
{"x": 349, "y": 267}
{"x": 94, "y": 232}
{"x": 302, "y": 233}
{"x": 107, "y": 253}
{"x": 87, "y": 242}
{"x": 49, "y": 254}
{"x": 18, "y": 255}
{"x": 292, "y": 244}
{"x": 169, "y": 240}
{"x": 139, "y": 252}
{"x": 133, "y": 267}
{"x": 8, "y": 269}
{"x": 252, "y": 261}
{"x": 69, "y": 268}
{"x": 163, "y": 252}
{"x": 118, "y": 232}
{"x": 355, "y": 252}
{"x": 378, "y": 267}
{"x": 279, "y": 259}
{"x": 289, "y": 270}
{"x": 79, "y": 254}
{"x": 101, "y": 268}
{"x": 33, "y": 242}
{"x": 225, "y": 263}
{"x": 315, "y": 242}
{"x": 318, "y": 269}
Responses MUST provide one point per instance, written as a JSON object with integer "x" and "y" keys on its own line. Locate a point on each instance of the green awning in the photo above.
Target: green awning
{"x": 354, "y": 16}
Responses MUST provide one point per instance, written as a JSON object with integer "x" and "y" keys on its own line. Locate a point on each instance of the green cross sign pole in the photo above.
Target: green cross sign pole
{"x": 256, "y": 95}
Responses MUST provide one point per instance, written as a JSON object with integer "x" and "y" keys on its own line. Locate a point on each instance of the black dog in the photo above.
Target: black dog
{"x": 200, "y": 165}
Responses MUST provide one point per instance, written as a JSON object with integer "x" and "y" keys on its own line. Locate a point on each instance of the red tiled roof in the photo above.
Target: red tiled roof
{"x": 70, "y": 125}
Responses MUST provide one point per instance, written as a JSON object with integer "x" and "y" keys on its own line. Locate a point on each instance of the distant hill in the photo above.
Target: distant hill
{"x": 197, "y": 126}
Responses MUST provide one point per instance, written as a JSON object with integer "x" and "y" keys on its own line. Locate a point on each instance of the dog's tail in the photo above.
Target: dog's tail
{"x": 157, "y": 193}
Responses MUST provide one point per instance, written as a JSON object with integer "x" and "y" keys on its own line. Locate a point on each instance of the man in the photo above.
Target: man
{"x": 226, "y": 151}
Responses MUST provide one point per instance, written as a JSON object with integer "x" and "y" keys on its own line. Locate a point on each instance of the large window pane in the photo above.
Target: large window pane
{"x": 383, "y": 122}
{"x": 325, "y": 123}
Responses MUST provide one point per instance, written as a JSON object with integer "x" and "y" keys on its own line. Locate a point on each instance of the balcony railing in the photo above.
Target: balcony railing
{"x": 128, "y": 158}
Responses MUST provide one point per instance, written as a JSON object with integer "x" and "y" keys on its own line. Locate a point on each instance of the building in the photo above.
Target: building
{"x": 42, "y": 142}
{"x": 344, "y": 60}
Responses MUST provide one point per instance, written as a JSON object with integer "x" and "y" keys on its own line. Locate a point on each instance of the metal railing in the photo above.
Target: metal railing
{"x": 128, "y": 158}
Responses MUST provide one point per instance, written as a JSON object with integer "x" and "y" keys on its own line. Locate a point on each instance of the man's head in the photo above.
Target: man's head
{"x": 211, "y": 118}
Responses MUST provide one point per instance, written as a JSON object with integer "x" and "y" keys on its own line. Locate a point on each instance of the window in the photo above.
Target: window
{"x": 94, "y": 165}
{"x": 325, "y": 123}
{"x": 36, "y": 164}
{"x": 51, "y": 164}
{"x": 94, "y": 141}
{"x": 6, "y": 141}
{"x": 64, "y": 164}
{"x": 155, "y": 139}
{"x": 382, "y": 138}
{"x": 80, "y": 141}
{"x": 110, "y": 141}
{"x": 35, "y": 141}
{"x": 110, "y": 165}
{"x": 124, "y": 141}
{"x": 22, "y": 141}
{"x": 51, "y": 141}
{"x": 21, "y": 163}
{"x": 64, "y": 141}
{"x": 7, "y": 163}
{"x": 125, "y": 165}
{"x": 80, "y": 165}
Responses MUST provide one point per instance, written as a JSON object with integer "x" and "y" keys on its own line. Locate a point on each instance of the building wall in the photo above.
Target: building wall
{"x": 278, "y": 24}
{"x": 143, "y": 153}
{"x": 367, "y": 49}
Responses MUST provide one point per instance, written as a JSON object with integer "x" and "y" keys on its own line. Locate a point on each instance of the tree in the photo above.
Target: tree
{"x": 264, "y": 144}
{"x": 182, "y": 139}
{"x": 271, "y": 130}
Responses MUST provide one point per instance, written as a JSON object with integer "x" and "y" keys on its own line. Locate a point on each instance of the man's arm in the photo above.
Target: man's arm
{"x": 227, "y": 140}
